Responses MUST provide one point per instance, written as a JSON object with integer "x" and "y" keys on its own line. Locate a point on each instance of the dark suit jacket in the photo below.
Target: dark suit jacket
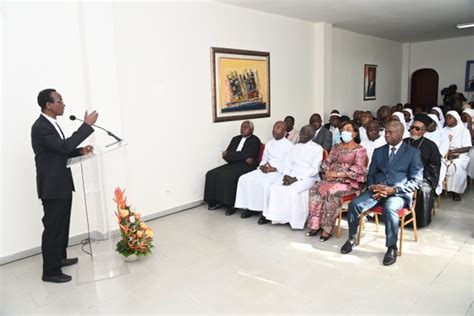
{"x": 324, "y": 138}
{"x": 370, "y": 90}
{"x": 405, "y": 172}
{"x": 251, "y": 149}
{"x": 53, "y": 177}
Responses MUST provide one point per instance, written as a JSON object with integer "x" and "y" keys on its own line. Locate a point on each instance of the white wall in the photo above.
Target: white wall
{"x": 350, "y": 52}
{"x": 145, "y": 67}
{"x": 448, "y": 57}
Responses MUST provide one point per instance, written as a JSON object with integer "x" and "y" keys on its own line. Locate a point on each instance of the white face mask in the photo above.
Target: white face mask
{"x": 415, "y": 137}
{"x": 346, "y": 136}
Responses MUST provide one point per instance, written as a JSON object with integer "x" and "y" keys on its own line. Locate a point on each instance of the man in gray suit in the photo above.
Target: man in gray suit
{"x": 322, "y": 136}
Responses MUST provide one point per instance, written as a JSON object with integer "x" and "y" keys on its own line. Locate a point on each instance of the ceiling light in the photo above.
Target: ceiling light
{"x": 465, "y": 25}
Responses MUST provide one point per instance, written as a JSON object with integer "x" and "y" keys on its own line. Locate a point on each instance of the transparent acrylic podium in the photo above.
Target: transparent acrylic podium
{"x": 101, "y": 173}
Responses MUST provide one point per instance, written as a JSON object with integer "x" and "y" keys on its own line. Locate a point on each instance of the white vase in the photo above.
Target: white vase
{"x": 131, "y": 258}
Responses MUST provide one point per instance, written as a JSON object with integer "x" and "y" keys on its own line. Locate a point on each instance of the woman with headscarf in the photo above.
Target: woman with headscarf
{"x": 398, "y": 116}
{"x": 468, "y": 117}
{"x": 440, "y": 138}
{"x": 439, "y": 113}
{"x": 408, "y": 116}
{"x": 458, "y": 159}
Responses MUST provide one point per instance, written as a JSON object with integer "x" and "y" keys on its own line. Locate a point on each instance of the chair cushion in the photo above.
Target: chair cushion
{"x": 348, "y": 198}
{"x": 402, "y": 212}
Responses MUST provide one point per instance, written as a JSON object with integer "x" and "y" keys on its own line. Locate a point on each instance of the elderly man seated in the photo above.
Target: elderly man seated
{"x": 253, "y": 187}
{"x": 241, "y": 156}
{"x": 288, "y": 200}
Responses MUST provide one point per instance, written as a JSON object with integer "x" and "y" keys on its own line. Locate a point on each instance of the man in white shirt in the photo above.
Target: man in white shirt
{"x": 288, "y": 200}
{"x": 291, "y": 134}
{"x": 374, "y": 138}
{"x": 253, "y": 187}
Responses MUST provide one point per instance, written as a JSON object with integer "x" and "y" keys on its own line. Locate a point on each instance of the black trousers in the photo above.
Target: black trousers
{"x": 221, "y": 182}
{"x": 56, "y": 220}
{"x": 424, "y": 204}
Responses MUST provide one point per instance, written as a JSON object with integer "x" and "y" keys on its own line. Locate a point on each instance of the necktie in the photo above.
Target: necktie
{"x": 392, "y": 154}
{"x": 62, "y": 134}
{"x": 287, "y": 134}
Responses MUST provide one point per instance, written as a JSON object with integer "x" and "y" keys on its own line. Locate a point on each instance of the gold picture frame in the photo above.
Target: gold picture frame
{"x": 240, "y": 84}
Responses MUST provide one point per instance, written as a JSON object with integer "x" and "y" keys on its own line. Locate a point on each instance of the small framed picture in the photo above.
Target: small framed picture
{"x": 370, "y": 78}
{"x": 240, "y": 84}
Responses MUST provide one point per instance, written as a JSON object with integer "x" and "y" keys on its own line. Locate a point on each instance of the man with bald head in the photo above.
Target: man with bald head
{"x": 322, "y": 136}
{"x": 373, "y": 139}
{"x": 242, "y": 157}
{"x": 288, "y": 200}
{"x": 396, "y": 171}
{"x": 253, "y": 187}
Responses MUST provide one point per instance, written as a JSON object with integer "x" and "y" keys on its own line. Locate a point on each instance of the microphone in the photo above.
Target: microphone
{"x": 73, "y": 118}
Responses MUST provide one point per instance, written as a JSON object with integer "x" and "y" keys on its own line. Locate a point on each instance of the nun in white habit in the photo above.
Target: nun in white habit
{"x": 458, "y": 159}
{"x": 440, "y": 138}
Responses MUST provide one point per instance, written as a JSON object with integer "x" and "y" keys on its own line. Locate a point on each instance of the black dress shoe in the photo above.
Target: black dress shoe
{"x": 61, "y": 278}
{"x": 390, "y": 256}
{"x": 313, "y": 232}
{"x": 456, "y": 197}
{"x": 347, "y": 247}
{"x": 323, "y": 239}
{"x": 214, "y": 206}
{"x": 262, "y": 220}
{"x": 247, "y": 214}
{"x": 230, "y": 211}
{"x": 69, "y": 262}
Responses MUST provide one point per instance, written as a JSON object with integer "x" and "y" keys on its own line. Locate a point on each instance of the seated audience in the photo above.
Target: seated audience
{"x": 438, "y": 135}
{"x": 253, "y": 187}
{"x": 431, "y": 160}
{"x": 291, "y": 133}
{"x": 288, "y": 201}
{"x": 322, "y": 136}
{"x": 357, "y": 117}
{"x": 344, "y": 172}
{"x": 394, "y": 174}
{"x": 459, "y": 145}
{"x": 375, "y": 138}
{"x": 439, "y": 113}
{"x": 408, "y": 117}
{"x": 468, "y": 119}
{"x": 242, "y": 157}
{"x": 398, "y": 116}
{"x": 365, "y": 118}
{"x": 329, "y": 124}
{"x": 384, "y": 116}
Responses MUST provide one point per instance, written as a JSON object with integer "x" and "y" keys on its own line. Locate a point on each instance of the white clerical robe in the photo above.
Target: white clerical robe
{"x": 289, "y": 203}
{"x": 253, "y": 187}
{"x": 456, "y": 173}
{"x": 370, "y": 146}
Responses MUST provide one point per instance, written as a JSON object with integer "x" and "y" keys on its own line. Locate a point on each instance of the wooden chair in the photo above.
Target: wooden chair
{"x": 402, "y": 214}
{"x": 345, "y": 200}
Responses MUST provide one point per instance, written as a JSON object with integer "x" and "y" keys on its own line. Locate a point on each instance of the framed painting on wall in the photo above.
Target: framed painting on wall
{"x": 240, "y": 84}
{"x": 469, "y": 85}
{"x": 370, "y": 78}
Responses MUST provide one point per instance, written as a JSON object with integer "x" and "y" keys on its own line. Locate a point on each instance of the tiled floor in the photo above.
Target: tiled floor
{"x": 206, "y": 262}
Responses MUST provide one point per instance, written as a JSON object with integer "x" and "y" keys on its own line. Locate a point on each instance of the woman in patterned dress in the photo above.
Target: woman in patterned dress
{"x": 344, "y": 172}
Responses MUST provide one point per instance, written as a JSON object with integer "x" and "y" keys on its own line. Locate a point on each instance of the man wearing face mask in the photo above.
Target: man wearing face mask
{"x": 431, "y": 160}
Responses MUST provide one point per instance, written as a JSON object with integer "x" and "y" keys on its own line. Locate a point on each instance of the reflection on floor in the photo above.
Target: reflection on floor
{"x": 206, "y": 262}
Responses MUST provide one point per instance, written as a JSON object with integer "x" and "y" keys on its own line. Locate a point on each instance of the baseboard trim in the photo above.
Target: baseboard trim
{"x": 76, "y": 240}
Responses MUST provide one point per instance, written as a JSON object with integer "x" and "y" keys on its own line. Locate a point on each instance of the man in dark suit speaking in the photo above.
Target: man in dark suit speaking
{"x": 396, "y": 171}
{"x": 54, "y": 180}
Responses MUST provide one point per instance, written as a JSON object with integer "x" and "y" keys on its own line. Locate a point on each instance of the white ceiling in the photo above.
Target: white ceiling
{"x": 398, "y": 20}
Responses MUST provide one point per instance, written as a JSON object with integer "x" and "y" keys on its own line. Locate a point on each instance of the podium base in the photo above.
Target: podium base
{"x": 99, "y": 267}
